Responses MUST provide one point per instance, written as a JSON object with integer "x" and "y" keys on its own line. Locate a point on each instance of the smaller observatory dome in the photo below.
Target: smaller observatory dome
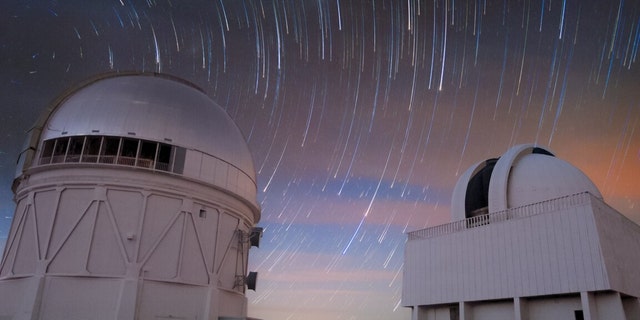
{"x": 525, "y": 174}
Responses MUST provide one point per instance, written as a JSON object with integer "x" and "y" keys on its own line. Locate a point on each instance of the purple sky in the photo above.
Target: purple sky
{"x": 360, "y": 114}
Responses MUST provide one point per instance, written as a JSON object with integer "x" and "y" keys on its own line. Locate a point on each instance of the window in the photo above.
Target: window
{"x": 164, "y": 157}
{"x": 47, "y": 151}
{"x": 578, "y": 315}
{"x": 60, "y": 150}
{"x": 75, "y": 149}
{"x": 147, "y": 154}
{"x": 128, "y": 153}
{"x": 91, "y": 149}
{"x": 113, "y": 150}
{"x": 109, "y": 149}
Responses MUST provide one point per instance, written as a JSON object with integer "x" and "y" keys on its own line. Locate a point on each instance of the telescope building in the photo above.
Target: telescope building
{"x": 530, "y": 238}
{"x": 135, "y": 199}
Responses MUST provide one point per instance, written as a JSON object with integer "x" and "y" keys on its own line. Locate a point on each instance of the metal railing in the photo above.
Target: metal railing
{"x": 103, "y": 159}
{"x": 533, "y": 209}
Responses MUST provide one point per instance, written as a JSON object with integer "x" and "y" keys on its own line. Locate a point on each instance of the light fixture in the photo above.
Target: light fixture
{"x": 251, "y": 280}
{"x": 255, "y": 235}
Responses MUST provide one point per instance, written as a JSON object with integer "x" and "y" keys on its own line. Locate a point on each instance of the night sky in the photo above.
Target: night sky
{"x": 360, "y": 115}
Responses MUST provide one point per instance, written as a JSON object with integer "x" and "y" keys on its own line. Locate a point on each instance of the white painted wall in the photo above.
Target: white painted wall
{"x": 553, "y": 255}
{"x": 620, "y": 241}
{"x": 606, "y": 305}
{"x": 554, "y": 251}
{"x": 440, "y": 313}
{"x": 128, "y": 244}
{"x": 554, "y": 307}
{"x": 493, "y": 310}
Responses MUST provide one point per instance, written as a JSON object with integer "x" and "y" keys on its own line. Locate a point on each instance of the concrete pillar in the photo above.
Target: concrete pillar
{"x": 211, "y": 308}
{"x": 466, "y": 310}
{"x": 414, "y": 313}
{"x": 422, "y": 313}
{"x": 589, "y": 309}
{"x": 128, "y": 299}
{"x": 521, "y": 308}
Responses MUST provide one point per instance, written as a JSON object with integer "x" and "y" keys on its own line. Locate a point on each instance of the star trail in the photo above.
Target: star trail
{"x": 359, "y": 114}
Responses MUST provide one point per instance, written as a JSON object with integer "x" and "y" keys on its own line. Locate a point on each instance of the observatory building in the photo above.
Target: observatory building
{"x": 135, "y": 199}
{"x": 530, "y": 238}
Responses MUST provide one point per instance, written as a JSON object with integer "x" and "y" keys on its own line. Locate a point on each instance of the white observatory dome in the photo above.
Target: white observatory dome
{"x": 140, "y": 200}
{"x": 538, "y": 177}
{"x": 152, "y": 107}
{"x": 525, "y": 174}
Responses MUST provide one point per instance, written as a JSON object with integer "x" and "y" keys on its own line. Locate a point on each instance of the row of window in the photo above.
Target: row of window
{"x": 113, "y": 150}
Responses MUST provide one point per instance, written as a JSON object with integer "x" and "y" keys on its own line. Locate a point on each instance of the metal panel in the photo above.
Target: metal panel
{"x": 510, "y": 258}
{"x": 620, "y": 240}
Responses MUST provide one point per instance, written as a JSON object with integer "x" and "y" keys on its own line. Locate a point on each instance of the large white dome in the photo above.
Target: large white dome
{"x": 525, "y": 174}
{"x": 151, "y": 107}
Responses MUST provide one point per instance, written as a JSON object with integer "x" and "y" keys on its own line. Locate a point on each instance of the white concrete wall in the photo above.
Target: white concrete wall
{"x": 159, "y": 300}
{"x": 99, "y": 241}
{"x": 493, "y": 310}
{"x": 620, "y": 242}
{"x": 440, "y": 313}
{"x": 560, "y": 307}
{"x": 549, "y": 253}
{"x": 601, "y": 305}
{"x": 79, "y": 298}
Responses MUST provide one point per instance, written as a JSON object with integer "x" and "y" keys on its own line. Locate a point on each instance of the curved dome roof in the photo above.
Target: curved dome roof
{"x": 525, "y": 174}
{"x": 538, "y": 177}
{"x": 151, "y": 107}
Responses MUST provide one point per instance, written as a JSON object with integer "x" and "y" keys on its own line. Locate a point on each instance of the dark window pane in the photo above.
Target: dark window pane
{"x": 110, "y": 146}
{"x": 148, "y": 150}
{"x": 47, "y": 151}
{"x": 75, "y": 149}
{"x": 147, "y": 154}
{"x": 129, "y": 148}
{"x": 164, "y": 157}
{"x": 92, "y": 146}
{"x": 128, "y": 152}
{"x": 60, "y": 150}
{"x": 91, "y": 149}
{"x": 61, "y": 146}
